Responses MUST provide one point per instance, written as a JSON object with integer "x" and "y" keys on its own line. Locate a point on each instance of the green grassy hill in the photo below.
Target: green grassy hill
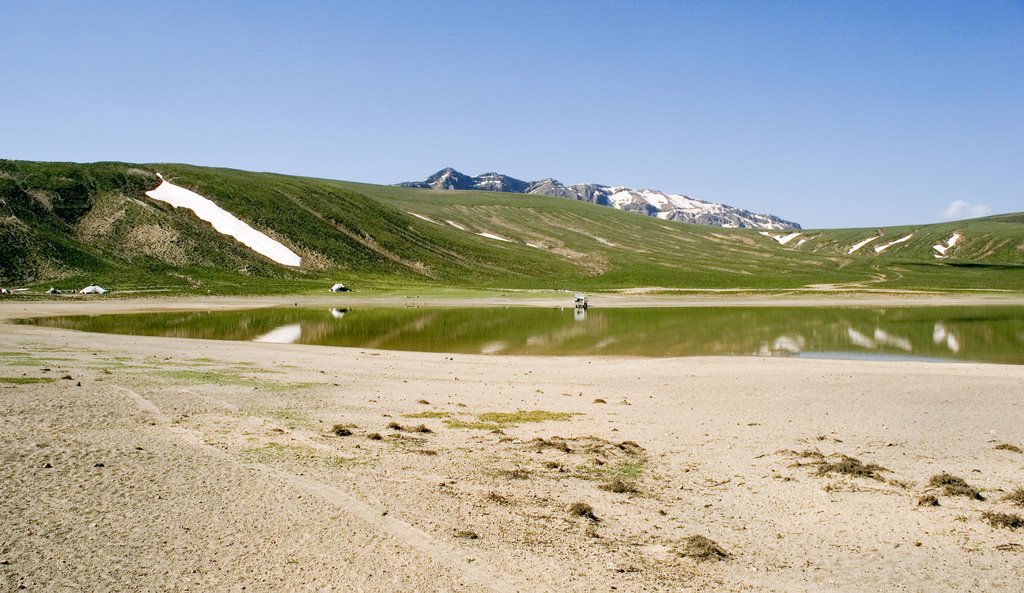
{"x": 70, "y": 224}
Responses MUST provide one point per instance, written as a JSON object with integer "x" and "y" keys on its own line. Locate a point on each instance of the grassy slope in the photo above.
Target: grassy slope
{"x": 650, "y": 252}
{"x": 70, "y": 224}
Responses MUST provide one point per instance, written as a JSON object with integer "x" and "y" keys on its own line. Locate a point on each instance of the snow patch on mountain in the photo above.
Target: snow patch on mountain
{"x": 673, "y": 207}
{"x": 881, "y": 248}
{"x": 495, "y": 237}
{"x": 223, "y": 221}
{"x": 944, "y": 247}
{"x": 782, "y": 239}
{"x": 857, "y": 247}
{"x": 426, "y": 218}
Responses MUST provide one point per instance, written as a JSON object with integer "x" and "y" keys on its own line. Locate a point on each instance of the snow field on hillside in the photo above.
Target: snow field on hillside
{"x": 881, "y": 248}
{"x": 223, "y": 221}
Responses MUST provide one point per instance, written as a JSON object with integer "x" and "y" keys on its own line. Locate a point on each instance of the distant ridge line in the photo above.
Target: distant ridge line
{"x": 674, "y": 207}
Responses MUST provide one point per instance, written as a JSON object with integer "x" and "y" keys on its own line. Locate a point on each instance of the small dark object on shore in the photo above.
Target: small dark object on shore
{"x": 582, "y": 509}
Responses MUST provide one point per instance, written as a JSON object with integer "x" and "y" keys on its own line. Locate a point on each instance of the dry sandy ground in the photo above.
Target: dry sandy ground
{"x": 152, "y": 464}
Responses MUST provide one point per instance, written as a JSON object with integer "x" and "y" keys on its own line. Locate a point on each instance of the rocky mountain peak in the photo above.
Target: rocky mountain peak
{"x": 448, "y": 178}
{"x": 675, "y": 207}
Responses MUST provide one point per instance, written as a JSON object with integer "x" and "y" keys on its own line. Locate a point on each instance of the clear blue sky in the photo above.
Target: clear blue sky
{"x": 830, "y": 113}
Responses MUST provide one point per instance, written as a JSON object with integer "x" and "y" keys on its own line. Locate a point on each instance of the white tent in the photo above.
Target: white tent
{"x": 93, "y": 289}
{"x": 339, "y": 287}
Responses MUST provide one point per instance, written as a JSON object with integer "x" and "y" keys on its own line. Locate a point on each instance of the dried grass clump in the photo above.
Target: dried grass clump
{"x": 374, "y": 436}
{"x": 1016, "y": 497}
{"x": 421, "y": 428}
{"x": 517, "y": 473}
{"x": 588, "y": 444}
{"x": 702, "y": 549}
{"x": 631, "y": 448}
{"x": 1009, "y": 447}
{"x": 620, "y": 486}
{"x": 954, "y": 486}
{"x": 817, "y": 457}
{"x": 1007, "y": 520}
{"x": 497, "y": 498}
{"x": 340, "y": 430}
{"x": 582, "y": 509}
{"x": 557, "y": 443}
{"x": 928, "y": 500}
{"x": 851, "y": 466}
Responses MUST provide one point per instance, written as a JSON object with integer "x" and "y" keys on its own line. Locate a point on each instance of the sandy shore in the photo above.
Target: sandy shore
{"x": 155, "y": 464}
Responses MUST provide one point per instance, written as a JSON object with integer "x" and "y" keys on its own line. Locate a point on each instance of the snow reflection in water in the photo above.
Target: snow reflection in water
{"x": 990, "y": 334}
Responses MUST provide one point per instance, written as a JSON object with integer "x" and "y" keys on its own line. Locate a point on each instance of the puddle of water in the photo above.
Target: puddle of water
{"x": 984, "y": 334}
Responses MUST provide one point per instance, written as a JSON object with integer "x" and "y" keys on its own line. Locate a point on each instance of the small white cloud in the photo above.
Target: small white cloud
{"x": 962, "y": 209}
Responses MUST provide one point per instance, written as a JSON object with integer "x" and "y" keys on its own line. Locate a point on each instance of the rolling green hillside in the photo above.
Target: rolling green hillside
{"x": 67, "y": 225}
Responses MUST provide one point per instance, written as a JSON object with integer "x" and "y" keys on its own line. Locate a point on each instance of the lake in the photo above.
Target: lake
{"x": 983, "y": 334}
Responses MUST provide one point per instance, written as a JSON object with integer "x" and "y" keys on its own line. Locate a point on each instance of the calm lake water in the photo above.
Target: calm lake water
{"x": 986, "y": 334}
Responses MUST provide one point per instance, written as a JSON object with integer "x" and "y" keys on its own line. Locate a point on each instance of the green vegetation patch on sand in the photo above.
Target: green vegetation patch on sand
{"x": 25, "y": 359}
{"x": 524, "y": 416}
{"x": 427, "y": 415}
{"x": 471, "y": 425}
{"x": 500, "y": 420}
{"x": 276, "y": 453}
{"x": 229, "y": 378}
